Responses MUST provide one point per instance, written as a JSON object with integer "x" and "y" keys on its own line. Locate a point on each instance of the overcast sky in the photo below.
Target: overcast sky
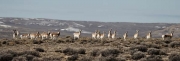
{"x": 156, "y": 11}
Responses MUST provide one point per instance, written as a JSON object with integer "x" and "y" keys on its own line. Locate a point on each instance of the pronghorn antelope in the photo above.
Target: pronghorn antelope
{"x": 102, "y": 35}
{"x": 94, "y": 35}
{"x": 54, "y": 35}
{"x": 168, "y": 36}
{"x": 148, "y": 36}
{"x": 15, "y": 33}
{"x": 34, "y": 35}
{"x": 98, "y": 35}
{"x": 25, "y": 36}
{"x": 45, "y": 35}
{"x": 136, "y": 34}
{"x": 77, "y": 34}
{"x": 113, "y": 35}
{"x": 125, "y": 35}
{"x": 109, "y": 34}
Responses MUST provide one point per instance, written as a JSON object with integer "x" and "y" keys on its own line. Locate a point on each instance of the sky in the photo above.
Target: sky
{"x": 143, "y": 11}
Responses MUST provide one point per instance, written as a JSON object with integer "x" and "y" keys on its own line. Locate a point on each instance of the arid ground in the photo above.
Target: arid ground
{"x": 87, "y": 49}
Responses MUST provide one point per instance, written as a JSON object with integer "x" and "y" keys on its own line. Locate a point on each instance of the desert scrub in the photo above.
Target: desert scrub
{"x": 25, "y": 55}
{"x": 73, "y": 57}
{"x": 60, "y": 41}
{"x": 48, "y": 59}
{"x": 142, "y": 48}
{"x": 109, "y": 58}
{"x": 39, "y": 49}
{"x": 174, "y": 44}
{"x": 138, "y": 55}
{"x": 86, "y": 58}
{"x": 94, "y": 52}
{"x": 70, "y": 51}
{"x": 6, "y": 57}
{"x": 154, "y": 51}
{"x": 58, "y": 50}
{"x": 37, "y": 41}
{"x": 81, "y": 51}
{"x": 152, "y": 58}
{"x": 174, "y": 57}
{"x": 150, "y": 45}
{"x": 110, "y": 52}
{"x": 20, "y": 58}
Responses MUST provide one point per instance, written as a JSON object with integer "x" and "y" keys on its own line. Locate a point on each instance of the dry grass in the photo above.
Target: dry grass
{"x": 87, "y": 49}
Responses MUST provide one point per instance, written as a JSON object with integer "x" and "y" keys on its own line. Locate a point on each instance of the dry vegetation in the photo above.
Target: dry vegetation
{"x": 87, "y": 49}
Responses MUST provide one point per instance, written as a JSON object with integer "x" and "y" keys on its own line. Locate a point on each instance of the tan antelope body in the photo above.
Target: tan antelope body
{"x": 54, "y": 35}
{"x": 34, "y": 35}
{"x": 113, "y": 36}
{"x": 102, "y": 35}
{"x": 15, "y": 34}
{"x": 136, "y": 34}
{"x": 94, "y": 35}
{"x": 98, "y": 35}
{"x": 168, "y": 36}
{"x": 148, "y": 36}
{"x": 77, "y": 34}
{"x": 109, "y": 34}
{"x": 45, "y": 35}
{"x": 23, "y": 36}
{"x": 125, "y": 35}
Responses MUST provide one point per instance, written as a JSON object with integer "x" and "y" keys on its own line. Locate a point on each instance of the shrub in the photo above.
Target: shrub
{"x": 138, "y": 55}
{"x": 4, "y": 42}
{"x": 174, "y": 57}
{"x": 73, "y": 57}
{"x": 120, "y": 59}
{"x": 37, "y": 41}
{"x": 39, "y": 49}
{"x": 142, "y": 48}
{"x": 167, "y": 41}
{"x": 94, "y": 52}
{"x": 6, "y": 57}
{"x": 59, "y": 51}
{"x": 69, "y": 51}
{"x": 82, "y": 51}
{"x": 60, "y": 41}
{"x": 17, "y": 42}
{"x": 174, "y": 44}
{"x": 108, "y": 52}
{"x": 153, "y": 51}
{"x": 154, "y": 58}
{"x": 33, "y": 53}
{"x": 69, "y": 40}
{"x": 11, "y": 52}
{"x": 38, "y": 59}
{"x": 48, "y": 59}
{"x": 86, "y": 58}
{"x": 154, "y": 46}
{"x": 29, "y": 57}
{"x": 20, "y": 58}
{"x": 133, "y": 51}
{"x": 110, "y": 58}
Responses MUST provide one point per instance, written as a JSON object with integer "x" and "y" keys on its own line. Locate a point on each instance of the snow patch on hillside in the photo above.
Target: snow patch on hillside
{"x": 71, "y": 29}
{"x": 78, "y": 25}
{"x": 6, "y": 26}
{"x": 100, "y": 25}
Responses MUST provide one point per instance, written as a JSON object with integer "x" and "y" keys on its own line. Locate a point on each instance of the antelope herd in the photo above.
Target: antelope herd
{"x": 96, "y": 35}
